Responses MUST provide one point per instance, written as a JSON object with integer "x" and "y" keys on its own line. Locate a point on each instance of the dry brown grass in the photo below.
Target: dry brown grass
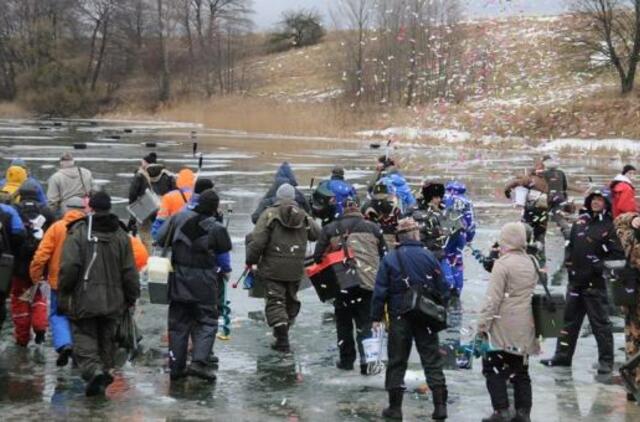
{"x": 266, "y": 115}
{"x": 9, "y": 110}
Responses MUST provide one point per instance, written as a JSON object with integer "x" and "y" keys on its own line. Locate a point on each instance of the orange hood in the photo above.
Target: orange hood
{"x": 186, "y": 179}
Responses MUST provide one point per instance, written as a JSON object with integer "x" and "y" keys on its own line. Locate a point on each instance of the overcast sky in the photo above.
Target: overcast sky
{"x": 268, "y": 11}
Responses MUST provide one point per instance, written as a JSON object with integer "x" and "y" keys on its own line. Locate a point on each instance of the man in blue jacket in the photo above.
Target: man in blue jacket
{"x": 341, "y": 193}
{"x": 409, "y": 264}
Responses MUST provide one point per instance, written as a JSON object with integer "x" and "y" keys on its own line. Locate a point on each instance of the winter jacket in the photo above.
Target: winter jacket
{"x": 97, "y": 278}
{"x": 42, "y": 197}
{"x": 47, "y": 257}
{"x": 278, "y": 242}
{"x": 421, "y": 268}
{"x": 460, "y": 209}
{"x": 15, "y": 177}
{"x": 506, "y": 314}
{"x": 36, "y": 219}
{"x": 283, "y": 175}
{"x": 363, "y": 238}
{"x": 11, "y": 229}
{"x": 624, "y": 196}
{"x": 174, "y": 201}
{"x": 342, "y": 191}
{"x": 156, "y": 177}
{"x": 433, "y": 227}
{"x": 197, "y": 243}
{"x": 397, "y": 184}
{"x": 592, "y": 240}
{"x": 68, "y": 183}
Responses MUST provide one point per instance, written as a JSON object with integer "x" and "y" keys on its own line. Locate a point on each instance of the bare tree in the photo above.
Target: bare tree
{"x": 165, "y": 76}
{"x": 609, "y": 32}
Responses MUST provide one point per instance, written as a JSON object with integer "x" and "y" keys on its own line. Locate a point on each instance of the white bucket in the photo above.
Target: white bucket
{"x": 158, "y": 269}
{"x": 519, "y": 195}
{"x": 375, "y": 348}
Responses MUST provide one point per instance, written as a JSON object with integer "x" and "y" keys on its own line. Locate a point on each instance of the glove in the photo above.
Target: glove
{"x": 507, "y": 193}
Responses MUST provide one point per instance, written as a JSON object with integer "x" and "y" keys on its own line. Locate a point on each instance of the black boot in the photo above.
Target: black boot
{"x": 499, "y": 416}
{"x": 440, "y": 395}
{"x": 394, "y": 411}
{"x": 556, "y": 361}
{"x": 522, "y": 415}
{"x": 96, "y": 385}
{"x": 281, "y": 333}
{"x": 39, "y": 337}
{"x": 63, "y": 356}
{"x": 344, "y": 366}
{"x": 202, "y": 371}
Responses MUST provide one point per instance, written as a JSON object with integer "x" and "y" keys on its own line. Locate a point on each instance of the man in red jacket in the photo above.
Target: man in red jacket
{"x": 623, "y": 192}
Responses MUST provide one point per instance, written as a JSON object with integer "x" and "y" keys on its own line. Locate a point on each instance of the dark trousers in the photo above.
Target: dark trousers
{"x": 352, "y": 306}
{"x": 497, "y": 368}
{"x": 191, "y": 320}
{"x": 594, "y": 304}
{"x": 282, "y": 304}
{"x": 402, "y": 332}
{"x": 93, "y": 344}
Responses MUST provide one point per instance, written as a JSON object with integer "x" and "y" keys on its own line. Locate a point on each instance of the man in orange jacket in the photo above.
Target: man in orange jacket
{"x": 174, "y": 201}
{"x": 47, "y": 261}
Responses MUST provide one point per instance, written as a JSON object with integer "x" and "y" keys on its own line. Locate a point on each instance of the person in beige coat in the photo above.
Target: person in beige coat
{"x": 506, "y": 321}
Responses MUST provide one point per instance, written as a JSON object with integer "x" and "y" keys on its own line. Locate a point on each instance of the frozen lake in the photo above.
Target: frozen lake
{"x": 255, "y": 383}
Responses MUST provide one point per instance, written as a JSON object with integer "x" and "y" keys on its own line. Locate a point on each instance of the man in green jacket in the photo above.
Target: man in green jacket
{"x": 98, "y": 281}
{"x": 277, "y": 246}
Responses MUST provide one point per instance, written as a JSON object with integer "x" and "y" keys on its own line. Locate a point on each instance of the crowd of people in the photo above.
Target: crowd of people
{"x": 401, "y": 262}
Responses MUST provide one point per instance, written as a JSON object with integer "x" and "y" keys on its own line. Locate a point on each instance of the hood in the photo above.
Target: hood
{"x": 71, "y": 172}
{"x": 285, "y": 175}
{"x": 154, "y": 170}
{"x": 28, "y": 191}
{"x": 456, "y": 187}
{"x": 551, "y": 164}
{"x": 186, "y": 179}
{"x": 16, "y": 175}
{"x": 105, "y": 225}
{"x": 589, "y": 199}
{"x": 621, "y": 178}
{"x": 289, "y": 214}
{"x": 513, "y": 236}
{"x": 73, "y": 215}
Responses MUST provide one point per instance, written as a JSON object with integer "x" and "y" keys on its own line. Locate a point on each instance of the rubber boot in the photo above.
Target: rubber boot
{"x": 202, "y": 371}
{"x": 440, "y": 395}
{"x": 281, "y": 333}
{"x": 96, "y": 385}
{"x": 499, "y": 416}
{"x": 522, "y": 415}
{"x": 556, "y": 361}
{"x": 63, "y": 356}
{"x": 394, "y": 411}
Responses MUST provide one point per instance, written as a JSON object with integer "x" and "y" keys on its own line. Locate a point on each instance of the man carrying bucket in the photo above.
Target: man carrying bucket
{"x": 592, "y": 241}
{"x": 363, "y": 242}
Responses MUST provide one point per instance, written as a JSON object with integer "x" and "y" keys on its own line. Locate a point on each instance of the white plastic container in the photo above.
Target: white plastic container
{"x": 158, "y": 270}
{"x": 145, "y": 206}
{"x": 519, "y": 195}
{"x": 375, "y": 348}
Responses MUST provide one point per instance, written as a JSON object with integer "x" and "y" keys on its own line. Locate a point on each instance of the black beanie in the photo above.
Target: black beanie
{"x": 151, "y": 158}
{"x": 100, "y": 201}
{"x": 208, "y": 202}
{"x": 626, "y": 169}
{"x": 202, "y": 185}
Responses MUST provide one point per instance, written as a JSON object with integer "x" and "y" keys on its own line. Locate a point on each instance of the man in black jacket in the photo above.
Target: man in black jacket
{"x": 198, "y": 243}
{"x": 151, "y": 175}
{"x": 98, "y": 281}
{"x": 364, "y": 242}
{"x": 592, "y": 241}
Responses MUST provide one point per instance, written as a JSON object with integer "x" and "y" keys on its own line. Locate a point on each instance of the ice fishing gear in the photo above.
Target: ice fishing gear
{"x": 375, "y": 350}
{"x": 627, "y": 372}
{"x": 225, "y": 311}
{"x": 241, "y": 278}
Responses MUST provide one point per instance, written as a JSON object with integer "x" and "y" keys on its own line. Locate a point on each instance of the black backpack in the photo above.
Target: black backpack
{"x": 30, "y": 212}
{"x": 323, "y": 202}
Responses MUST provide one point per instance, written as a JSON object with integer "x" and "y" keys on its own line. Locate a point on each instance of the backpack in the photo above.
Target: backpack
{"x": 323, "y": 202}
{"x": 34, "y": 224}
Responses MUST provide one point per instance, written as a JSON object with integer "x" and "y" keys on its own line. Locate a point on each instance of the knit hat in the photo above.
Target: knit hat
{"x": 66, "y": 157}
{"x": 626, "y": 169}
{"x": 202, "y": 185}
{"x": 75, "y": 203}
{"x": 338, "y": 172}
{"x": 513, "y": 236}
{"x": 286, "y": 191}
{"x": 208, "y": 202}
{"x": 100, "y": 201}
{"x": 151, "y": 158}
{"x": 407, "y": 225}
